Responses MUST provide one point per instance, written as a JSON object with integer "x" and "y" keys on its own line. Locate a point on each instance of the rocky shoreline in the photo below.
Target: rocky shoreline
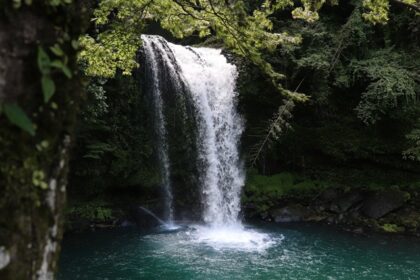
{"x": 392, "y": 211}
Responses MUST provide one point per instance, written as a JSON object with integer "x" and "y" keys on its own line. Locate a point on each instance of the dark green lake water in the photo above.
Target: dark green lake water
{"x": 294, "y": 252}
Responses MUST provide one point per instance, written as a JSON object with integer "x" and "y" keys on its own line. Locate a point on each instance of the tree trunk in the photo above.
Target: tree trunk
{"x": 33, "y": 169}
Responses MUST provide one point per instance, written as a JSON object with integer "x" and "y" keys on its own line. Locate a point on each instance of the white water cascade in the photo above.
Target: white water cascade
{"x": 151, "y": 62}
{"x": 210, "y": 80}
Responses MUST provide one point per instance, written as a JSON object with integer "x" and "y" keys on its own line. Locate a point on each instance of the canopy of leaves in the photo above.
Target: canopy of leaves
{"x": 245, "y": 31}
{"x": 377, "y": 11}
{"x": 244, "y": 27}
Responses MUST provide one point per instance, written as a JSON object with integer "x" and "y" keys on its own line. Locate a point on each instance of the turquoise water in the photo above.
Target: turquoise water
{"x": 292, "y": 252}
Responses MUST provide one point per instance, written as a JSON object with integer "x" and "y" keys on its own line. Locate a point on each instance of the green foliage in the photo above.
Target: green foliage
{"x": 363, "y": 86}
{"x": 45, "y": 66}
{"x": 413, "y": 152}
{"x": 18, "y": 117}
{"x": 281, "y": 184}
{"x": 98, "y": 107}
{"x": 97, "y": 211}
{"x": 247, "y": 32}
{"x": 265, "y": 191}
{"x": 392, "y": 228}
{"x": 309, "y": 10}
{"x": 114, "y": 144}
{"x": 56, "y": 49}
{"x": 54, "y": 3}
{"x": 389, "y": 84}
{"x": 61, "y": 66}
{"x": 97, "y": 150}
{"x": 48, "y": 88}
{"x": 277, "y": 126}
{"x": 38, "y": 179}
{"x": 43, "y": 61}
{"x": 112, "y": 50}
{"x": 377, "y": 11}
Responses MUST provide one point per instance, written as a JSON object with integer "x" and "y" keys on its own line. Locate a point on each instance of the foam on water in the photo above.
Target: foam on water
{"x": 170, "y": 227}
{"x": 311, "y": 252}
{"x": 233, "y": 237}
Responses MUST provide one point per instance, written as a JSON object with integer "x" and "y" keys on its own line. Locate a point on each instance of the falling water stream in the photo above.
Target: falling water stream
{"x": 210, "y": 81}
{"x": 161, "y": 128}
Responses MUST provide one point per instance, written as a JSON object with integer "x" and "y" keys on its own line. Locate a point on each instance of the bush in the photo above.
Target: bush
{"x": 95, "y": 211}
{"x": 392, "y": 228}
{"x": 265, "y": 191}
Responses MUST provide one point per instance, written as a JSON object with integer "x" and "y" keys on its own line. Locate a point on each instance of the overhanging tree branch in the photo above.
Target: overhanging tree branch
{"x": 415, "y": 7}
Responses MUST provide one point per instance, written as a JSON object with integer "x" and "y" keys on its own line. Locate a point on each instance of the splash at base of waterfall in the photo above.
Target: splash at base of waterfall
{"x": 170, "y": 227}
{"x": 235, "y": 237}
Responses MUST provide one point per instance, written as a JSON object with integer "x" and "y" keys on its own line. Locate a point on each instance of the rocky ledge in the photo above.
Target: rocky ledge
{"x": 361, "y": 211}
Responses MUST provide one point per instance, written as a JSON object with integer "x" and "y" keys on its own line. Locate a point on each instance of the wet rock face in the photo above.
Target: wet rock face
{"x": 384, "y": 202}
{"x": 329, "y": 195}
{"x": 349, "y": 201}
{"x": 291, "y": 213}
{"x": 143, "y": 217}
{"x": 360, "y": 211}
{"x": 181, "y": 132}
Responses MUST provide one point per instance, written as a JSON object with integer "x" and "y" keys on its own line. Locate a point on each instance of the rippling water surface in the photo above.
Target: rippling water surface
{"x": 263, "y": 252}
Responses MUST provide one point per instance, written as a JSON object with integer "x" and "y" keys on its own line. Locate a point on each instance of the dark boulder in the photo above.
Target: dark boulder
{"x": 383, "y": 202}
{"x": 349, "y": 200}
{"x": 346, "y": 201}
{"x": 329, "y": 195}
{"x": 290, "y": 213}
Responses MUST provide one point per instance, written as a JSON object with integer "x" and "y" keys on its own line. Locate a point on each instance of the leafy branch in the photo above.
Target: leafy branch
{"x": 277, "y": 126}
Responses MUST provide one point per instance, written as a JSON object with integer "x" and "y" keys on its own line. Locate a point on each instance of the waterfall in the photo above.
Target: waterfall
{"x": 211, "y": 83}
{"x": 205, "y": 75}
{"x": 160, "y": 124}
{"x": 205, "y": 80}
